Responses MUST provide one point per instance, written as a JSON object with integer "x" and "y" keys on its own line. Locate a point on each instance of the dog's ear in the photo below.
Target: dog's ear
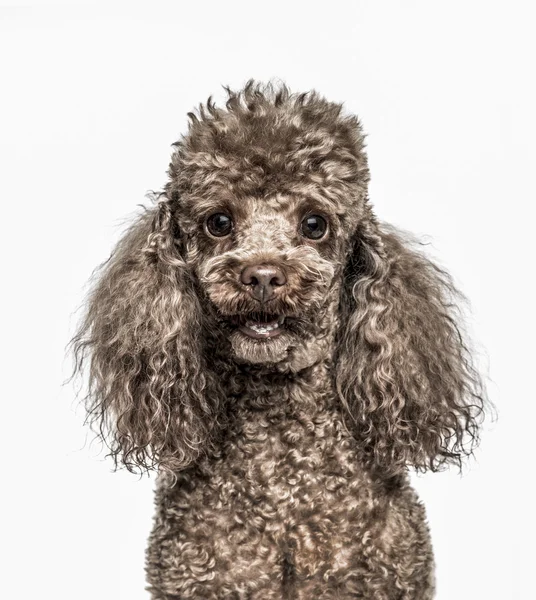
{"x": 403, "y": 370}
{"x": 150, "y": 393}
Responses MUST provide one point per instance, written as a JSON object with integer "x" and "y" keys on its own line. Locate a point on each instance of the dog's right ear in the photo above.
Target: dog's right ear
{"x": 149, "y": 392}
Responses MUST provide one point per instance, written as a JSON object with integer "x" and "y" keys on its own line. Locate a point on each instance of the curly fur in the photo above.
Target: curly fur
{"x": 283, "y": 463}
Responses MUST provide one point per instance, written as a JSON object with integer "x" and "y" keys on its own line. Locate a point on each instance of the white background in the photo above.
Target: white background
{"x": 92, "y": 99}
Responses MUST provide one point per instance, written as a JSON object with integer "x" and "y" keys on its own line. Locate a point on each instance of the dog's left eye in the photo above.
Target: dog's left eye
{"x": 313, "y": 227}
{"x": 219, "y": 224}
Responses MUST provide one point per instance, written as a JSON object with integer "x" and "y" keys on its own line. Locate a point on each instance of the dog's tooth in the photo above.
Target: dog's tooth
{"x": 262, "y": 328}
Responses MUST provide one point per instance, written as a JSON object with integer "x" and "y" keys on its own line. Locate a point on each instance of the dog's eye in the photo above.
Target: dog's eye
{"x": 219, "y": 224}
{"x": 313, "y": 227}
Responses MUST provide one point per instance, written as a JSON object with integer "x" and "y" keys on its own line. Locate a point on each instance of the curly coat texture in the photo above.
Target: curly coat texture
{"x": 282, "y": 462}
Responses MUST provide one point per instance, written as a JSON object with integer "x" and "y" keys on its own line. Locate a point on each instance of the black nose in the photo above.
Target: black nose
{"x": 262, "y": 280}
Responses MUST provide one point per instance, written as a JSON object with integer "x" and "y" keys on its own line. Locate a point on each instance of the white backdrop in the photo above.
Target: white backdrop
{"x": 92, "y": 99}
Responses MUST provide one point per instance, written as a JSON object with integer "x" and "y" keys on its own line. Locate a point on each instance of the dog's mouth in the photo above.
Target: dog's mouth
{"x": 259, "y": 325}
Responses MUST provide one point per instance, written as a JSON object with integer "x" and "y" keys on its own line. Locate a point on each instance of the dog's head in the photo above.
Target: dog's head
{"x": 265, "y": 196}
{"x": 263, "y": 249}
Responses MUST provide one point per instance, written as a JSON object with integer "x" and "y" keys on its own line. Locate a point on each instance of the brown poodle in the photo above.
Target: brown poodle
{"x": 282, "y": 359}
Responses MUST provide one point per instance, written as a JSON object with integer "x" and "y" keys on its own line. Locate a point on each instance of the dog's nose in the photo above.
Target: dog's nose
{"x": 262, "y": 280}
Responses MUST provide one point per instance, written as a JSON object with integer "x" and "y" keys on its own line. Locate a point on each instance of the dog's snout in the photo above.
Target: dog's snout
{"x": 263, "y": 280}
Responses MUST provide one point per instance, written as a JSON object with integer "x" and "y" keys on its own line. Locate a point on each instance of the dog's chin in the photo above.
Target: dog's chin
{"x": 261, "y": 350}
{"x": 260, "y": 337}
{"x": 284, "y": 342}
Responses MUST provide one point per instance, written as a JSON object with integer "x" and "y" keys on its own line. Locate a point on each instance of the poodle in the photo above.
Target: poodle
{"x": 281, "y": 358}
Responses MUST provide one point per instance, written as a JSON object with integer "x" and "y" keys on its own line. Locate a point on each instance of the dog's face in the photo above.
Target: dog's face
{"x": 269, "y": 266}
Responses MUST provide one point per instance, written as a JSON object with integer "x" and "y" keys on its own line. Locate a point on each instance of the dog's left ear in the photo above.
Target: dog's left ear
{"x": 402, "y": 368}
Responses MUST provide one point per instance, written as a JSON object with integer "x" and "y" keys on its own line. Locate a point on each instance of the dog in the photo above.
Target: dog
{"x": 281, "y": 358}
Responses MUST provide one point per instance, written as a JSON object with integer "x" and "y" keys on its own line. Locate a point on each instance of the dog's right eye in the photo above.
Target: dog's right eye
{"x": 219, "y": 224}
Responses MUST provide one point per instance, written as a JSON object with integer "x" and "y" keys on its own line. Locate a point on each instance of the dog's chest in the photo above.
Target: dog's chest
{"x": 288, "y": 450}
{"x": 284, "y": 500}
